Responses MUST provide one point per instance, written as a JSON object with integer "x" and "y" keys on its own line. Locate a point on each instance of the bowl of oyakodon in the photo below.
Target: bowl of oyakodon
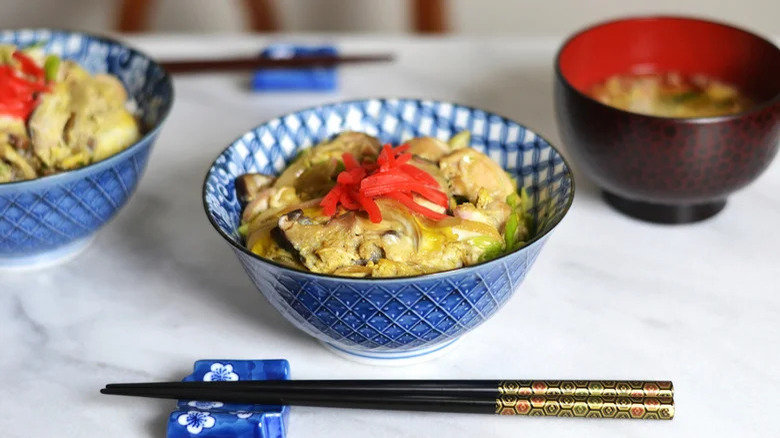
{"x": 78, "y": 117}
{"x": 388, "y": 228}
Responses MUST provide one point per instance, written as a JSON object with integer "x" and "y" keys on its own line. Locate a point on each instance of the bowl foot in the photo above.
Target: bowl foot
{"x": 48, "y": 258}
{"x": 664, "y": 213}
{"x": 391, "y": 358}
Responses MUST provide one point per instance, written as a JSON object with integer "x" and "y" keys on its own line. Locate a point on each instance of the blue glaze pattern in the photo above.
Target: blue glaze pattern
{"x": 390, "y": 318}
{"x": 206, "y": 419}
{"x": 43, "y": 215}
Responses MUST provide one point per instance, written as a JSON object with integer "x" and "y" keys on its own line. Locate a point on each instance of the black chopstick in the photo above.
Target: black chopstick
{"x": 237, "y": 64}
{"x": 577, "y": 398}
{"x": 328, "y": 400}
{"x": 361, "y": 386}
{"x": 491, "y": 387}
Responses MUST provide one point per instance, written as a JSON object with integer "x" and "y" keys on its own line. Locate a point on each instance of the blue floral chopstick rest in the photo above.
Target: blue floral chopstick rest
{"x": 225, "y": 420}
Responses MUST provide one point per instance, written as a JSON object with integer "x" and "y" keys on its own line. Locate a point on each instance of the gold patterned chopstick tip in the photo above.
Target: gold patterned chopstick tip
{"x": 597, "y": 388}
{"x": 648, "y": 408}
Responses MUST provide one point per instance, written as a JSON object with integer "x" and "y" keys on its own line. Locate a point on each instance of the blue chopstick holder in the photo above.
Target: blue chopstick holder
{"x": 214, "y": 419}
{"x": 296, "y": 79}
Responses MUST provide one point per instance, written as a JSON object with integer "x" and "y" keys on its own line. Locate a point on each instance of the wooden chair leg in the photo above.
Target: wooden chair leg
{"x": 262, "y": 16}
{"x": 429, "y": 16}
{"x": 133, "y": 15}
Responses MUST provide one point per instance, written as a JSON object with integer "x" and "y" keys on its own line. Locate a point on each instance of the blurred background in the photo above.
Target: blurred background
{"x": 536, "y": 18}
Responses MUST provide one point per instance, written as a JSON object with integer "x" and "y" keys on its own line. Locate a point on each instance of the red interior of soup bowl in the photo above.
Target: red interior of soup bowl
{"x": 663, "y": 44}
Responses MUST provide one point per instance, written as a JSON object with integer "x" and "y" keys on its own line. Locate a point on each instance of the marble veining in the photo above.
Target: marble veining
{"x": 158, "y": 289}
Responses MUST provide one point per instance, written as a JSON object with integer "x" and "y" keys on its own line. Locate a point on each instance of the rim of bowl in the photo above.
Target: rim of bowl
{"x": 107, "y": 162}
{"x": 713, "y": 119}
{"x": 431, "y": 275}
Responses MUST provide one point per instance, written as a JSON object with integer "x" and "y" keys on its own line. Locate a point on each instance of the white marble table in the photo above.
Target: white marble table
{"x": 609, "y": 297}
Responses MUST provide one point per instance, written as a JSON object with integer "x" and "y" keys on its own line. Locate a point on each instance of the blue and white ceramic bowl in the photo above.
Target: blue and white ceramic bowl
{"x": 49, "y": 219}
{"x": 395, "y": 318}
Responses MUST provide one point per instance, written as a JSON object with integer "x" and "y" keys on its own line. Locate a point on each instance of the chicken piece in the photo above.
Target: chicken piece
{"x": 83, "y": 119}
{"x": 468, "y": 171}
{"x": 428, "y": 148}
{"x": 91, "y": 96}
{"x": 494, "y": 214}
{"x": 100, "y": 121}
{"x": 115, "y": 131}
{"x": 496, "y": 210}
{"x": 47, "y": 125}
{"x": 475, "y": 240}
{"x": 111, "y": 89}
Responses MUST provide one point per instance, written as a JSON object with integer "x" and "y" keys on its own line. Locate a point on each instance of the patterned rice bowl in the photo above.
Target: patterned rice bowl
{"x": 391, "y": 320}
{"x": 50, "y": 219}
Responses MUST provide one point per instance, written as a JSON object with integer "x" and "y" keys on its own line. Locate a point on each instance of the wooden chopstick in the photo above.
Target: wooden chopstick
{"x": 238, "y": 64}
{"x": 648, "y": 400}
